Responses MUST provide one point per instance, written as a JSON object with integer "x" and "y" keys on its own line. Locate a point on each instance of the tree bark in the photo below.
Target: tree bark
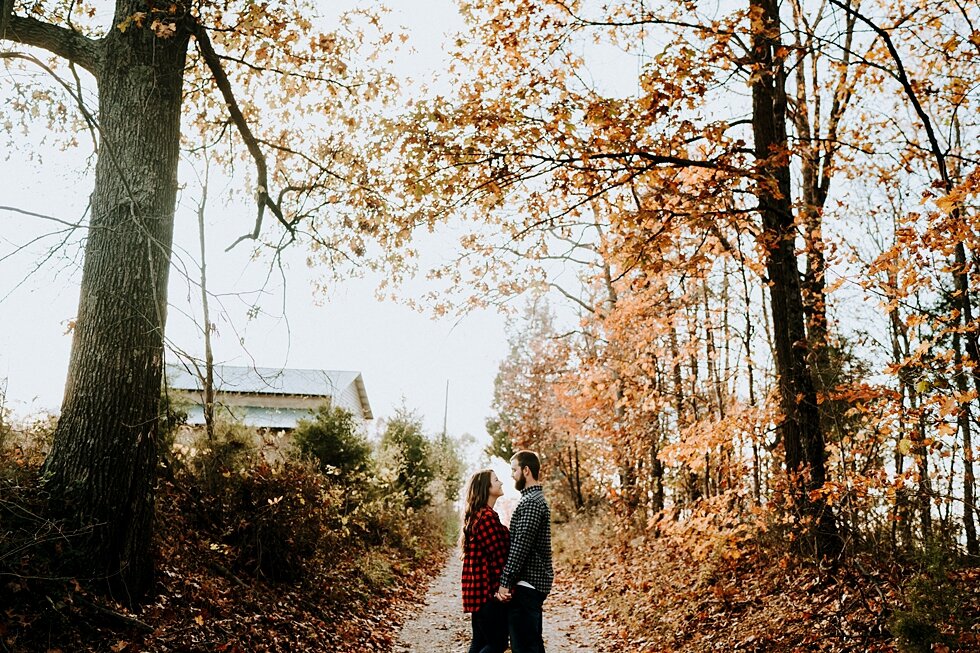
{"x": 657, "y": 496}
{"x": 801, "y": 432}
{"x": 964, "y": 420}
{"x": 101, "y": 469}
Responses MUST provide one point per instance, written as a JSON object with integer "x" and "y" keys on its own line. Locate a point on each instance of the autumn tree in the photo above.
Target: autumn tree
{"x": 691, "y": 182}
{"x": 530, "y": 411}
{"x": 931, "y": 143}
{"x": 260, "y": 83}
{"x": 529, "y": 146}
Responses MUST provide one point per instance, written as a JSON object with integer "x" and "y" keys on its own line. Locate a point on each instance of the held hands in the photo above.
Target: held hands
{"x": 503, "y": 594}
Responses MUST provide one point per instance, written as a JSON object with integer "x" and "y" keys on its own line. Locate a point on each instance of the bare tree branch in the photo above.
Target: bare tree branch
{"x": 571, "y": 297}
{"x": 263, "y": 199}
{"x": 907, "y": 86}
{"x": 14, "y": 209}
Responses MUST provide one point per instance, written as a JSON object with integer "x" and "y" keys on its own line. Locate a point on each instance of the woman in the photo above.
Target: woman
{"x": 484, "y": 542}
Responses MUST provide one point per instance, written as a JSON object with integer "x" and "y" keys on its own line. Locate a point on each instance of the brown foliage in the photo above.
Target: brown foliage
{"x": 217, "y": 590}
{"x": 703, "y": 586}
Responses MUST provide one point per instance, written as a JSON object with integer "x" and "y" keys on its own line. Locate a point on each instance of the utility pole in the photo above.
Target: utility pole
{"x": 445, "y": 412}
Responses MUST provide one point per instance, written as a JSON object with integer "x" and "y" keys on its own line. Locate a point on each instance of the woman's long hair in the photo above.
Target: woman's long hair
{"x": 477, "y": 495}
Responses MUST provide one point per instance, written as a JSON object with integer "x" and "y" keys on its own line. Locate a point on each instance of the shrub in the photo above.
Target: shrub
{"x": 448, "y": 468}
{"x": 23, "y": 447}
{"x": 406, "y": 456}
{"x": 233, "y": 448}
{"x": 282, "y": 520}
{"x": 298, "y": 520}
{"x": 6, "y": 430}
{"x": 334, "y": 440}
{"x": 932, "y": 602}
{"x": 172, "y": 415}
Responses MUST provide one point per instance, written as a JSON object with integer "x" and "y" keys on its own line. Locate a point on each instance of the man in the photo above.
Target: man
{"x": 528, "y": 573}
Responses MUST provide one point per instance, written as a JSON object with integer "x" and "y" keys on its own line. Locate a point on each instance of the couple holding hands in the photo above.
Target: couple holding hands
{"x": 506, "y": 574}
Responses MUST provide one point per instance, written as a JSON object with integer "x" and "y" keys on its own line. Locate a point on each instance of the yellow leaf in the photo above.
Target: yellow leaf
{"x": 163, "y": 30}
{"x": 904, "y": 446}
{"x": 136, "y": 19}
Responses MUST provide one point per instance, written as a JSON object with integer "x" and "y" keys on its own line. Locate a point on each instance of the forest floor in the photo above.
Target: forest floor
{"x": 675, "y": 593}
{"x": 686, "y": 592}
{"x": 440, "y": 626}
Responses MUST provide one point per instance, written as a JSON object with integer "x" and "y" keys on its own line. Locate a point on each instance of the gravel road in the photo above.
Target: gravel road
{"x": 440, "y": 626}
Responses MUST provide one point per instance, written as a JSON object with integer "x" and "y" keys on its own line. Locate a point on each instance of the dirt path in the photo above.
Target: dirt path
{"x": 441, "y": 627}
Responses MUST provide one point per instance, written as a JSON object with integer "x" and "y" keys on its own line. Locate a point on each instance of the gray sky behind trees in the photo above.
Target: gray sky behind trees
{"x": 401, "y": 353}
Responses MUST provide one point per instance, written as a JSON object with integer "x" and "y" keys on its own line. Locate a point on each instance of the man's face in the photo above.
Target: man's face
{"x": 518, "y": 475}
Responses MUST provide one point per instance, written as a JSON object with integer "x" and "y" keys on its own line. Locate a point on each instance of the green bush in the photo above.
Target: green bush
{"x": 325, "y": 510}
{"x": 406, "y": 457}
{"x": 932, "y": 605}
{"x": 234, "y": 447}
{"x": 334, "y": 440}
{"x": 447, "y": 467}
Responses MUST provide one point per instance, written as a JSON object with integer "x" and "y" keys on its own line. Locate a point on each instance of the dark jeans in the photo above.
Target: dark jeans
{"x": 524, "y": 619}
{"x": 490, "y": 628}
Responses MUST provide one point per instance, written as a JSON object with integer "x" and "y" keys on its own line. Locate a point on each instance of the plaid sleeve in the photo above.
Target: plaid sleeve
{"x": 524, "y": 525}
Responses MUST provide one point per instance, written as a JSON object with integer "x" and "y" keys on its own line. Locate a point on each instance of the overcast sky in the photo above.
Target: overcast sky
{"x": 403, "y": 355}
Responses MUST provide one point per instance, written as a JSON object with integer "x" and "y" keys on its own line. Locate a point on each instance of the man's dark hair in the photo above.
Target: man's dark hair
{"x": 528, "y": 459}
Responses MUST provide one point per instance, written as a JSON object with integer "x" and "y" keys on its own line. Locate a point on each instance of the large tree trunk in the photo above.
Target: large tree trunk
{"x": 801, "y": 433}
{"x": 101, "y": 469}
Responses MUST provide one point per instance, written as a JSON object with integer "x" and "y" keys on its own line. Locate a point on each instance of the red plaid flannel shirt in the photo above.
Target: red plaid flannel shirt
{"x": 484, "y": 556}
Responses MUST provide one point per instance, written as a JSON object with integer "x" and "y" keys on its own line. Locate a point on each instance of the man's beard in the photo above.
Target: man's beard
{"x": 520, "y": 483}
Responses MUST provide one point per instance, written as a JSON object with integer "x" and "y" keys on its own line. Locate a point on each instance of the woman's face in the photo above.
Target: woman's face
{"x": 496, "y": 487}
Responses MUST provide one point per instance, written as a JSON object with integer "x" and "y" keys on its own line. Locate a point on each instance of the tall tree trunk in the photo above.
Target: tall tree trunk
{"x": 692, "y": 490}
{"x": 818, "y": 147}
{"x": 900, "y": 354}
{"x": 750, "y": 380}
{"x": 801, "y": 433}
{"x": 101, "y": 469}
{"x": 964, "y": 420}
{"x": 207, "y": 376}
{"x": 656, "y": 475}
{"x": 961, "y": 276}
{"x": 920, "y": 452}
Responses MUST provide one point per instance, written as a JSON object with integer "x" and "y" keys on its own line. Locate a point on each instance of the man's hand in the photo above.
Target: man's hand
{"x": 503, "y": 594}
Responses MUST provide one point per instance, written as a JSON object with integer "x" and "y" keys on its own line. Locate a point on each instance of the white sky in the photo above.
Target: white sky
{"x": 401, "y": 354}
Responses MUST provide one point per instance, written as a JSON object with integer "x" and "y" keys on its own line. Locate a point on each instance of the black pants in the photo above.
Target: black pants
{"x": 490, "y": 628}
{"x": 524, "y": 619}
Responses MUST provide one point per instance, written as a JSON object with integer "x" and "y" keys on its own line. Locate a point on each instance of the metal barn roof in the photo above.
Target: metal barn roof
{"x": 274, "y": 381}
